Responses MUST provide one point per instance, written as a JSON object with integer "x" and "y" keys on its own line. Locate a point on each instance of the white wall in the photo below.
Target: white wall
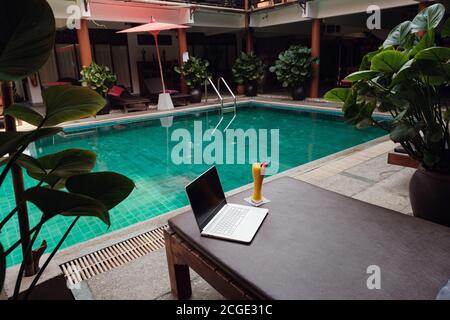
{"x": 319, "y": 9}
{"x": 134, "y": 54}
{"x": 35, "y": 93}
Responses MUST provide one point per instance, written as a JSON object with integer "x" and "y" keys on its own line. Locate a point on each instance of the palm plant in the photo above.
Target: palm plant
{"x": 248, "y": 70}
{"x": 97, "y": 77}
{"x": 65, "y": 184}
{"x": 293, "y": 68}
{"x": 405, "y": 78}
{"x": 195, "y": 73}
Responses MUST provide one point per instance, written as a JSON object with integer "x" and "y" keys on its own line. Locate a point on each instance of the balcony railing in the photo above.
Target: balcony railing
{"x": 237, "y": 4}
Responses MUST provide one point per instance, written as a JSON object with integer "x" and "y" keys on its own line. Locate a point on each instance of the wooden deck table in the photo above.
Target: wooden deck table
{"x": 314, "y": 244}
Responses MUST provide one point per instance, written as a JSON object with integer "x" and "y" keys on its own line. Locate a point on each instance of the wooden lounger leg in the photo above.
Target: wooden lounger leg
{"x": 180, "y": 281}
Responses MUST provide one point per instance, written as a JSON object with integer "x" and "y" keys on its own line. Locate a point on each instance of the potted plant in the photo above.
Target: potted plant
{"x": 404, "y": 78}
{"x": 247, "y": 71}
{"x": 65, "y": 184}
{"x": 100, "y": 79}
{"x": 293, "y": 69}
{"x": 195, "y": 72}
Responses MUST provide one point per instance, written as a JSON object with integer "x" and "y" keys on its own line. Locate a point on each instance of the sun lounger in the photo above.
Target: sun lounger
{"x": 154, "y": 88}
{"x": 128, "y": 101}
{"x": 314, "y": 244}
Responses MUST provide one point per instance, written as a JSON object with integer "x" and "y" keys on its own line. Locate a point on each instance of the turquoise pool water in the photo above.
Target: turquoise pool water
{"x": 141, "y": 150}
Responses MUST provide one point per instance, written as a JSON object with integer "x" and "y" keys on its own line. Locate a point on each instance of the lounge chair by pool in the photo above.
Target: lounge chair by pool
{"x": 120, "y": 97}
{"x": 154, "y": 88}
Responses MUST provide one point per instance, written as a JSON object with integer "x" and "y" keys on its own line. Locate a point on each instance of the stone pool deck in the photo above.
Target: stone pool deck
{"x": 361, "y": 174}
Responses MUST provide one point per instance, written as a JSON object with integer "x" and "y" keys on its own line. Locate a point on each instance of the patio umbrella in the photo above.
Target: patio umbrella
{"x": 164, "y": 102}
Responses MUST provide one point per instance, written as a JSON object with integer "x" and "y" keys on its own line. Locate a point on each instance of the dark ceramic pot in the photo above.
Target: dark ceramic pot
{"x": 251, "y": 89}
{"x": 429, "y": 193}
{"x": 196, "y": 95}
{"x": 240, "y": 89}
{"x": 298, "y": 93}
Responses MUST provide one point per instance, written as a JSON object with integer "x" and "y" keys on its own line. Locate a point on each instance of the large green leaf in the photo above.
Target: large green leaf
{"x": 429, "y": 18}
{"x": 427, "y": 41}
{"x": 404, "y": 73}
{"x": 389, "y": 61}
{"x": 68, "y": 103}
{"x": 11, "y": 141}
{"x": 446, "y": 29}
{"x": 362, "y": 75}
{"x": 28, "y": 33}
{"x": 56, "y": 168}
{"x": 399, "y": 35}
{"x": 107, "y": 187}
{"x": 403, "y": 132}
{"x": 433, "y": 72}
{"x": 2, "y": 267}
{"x": 25, "y": 113}
{"x": 434, "y": 53}
{"x": 337, "y": 94}
{"x": 367, "y": 60}
{"x": 53, "y": 202}
{"x": 359, "y": 114}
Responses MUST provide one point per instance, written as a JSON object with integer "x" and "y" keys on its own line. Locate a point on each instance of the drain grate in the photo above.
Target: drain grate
{"x": 103, "y": 260}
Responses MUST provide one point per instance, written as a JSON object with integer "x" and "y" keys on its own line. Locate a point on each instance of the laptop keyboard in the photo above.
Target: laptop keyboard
{"x": 230, "y": 221}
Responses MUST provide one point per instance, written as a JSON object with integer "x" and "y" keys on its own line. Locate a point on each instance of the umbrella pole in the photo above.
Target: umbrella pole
{"x": 155, "y": 35}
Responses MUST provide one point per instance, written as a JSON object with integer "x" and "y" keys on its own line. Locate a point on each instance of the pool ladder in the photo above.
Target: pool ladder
{"x": 223, "y": 109}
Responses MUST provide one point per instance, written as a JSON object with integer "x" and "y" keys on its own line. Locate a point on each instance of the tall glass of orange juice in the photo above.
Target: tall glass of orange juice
{"x": 258, "y": 177}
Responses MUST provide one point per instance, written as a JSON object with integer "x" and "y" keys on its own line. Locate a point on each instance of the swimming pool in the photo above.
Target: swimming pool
{"x": 142, "y": 149}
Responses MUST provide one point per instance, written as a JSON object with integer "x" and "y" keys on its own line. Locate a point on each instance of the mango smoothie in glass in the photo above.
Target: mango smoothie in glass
{"x": 258, "y": 170}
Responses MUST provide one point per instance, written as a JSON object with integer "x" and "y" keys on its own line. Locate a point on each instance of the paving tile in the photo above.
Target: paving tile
{"x": 145, "y": 278}
{"x": 344, "y": 185}
{"x": 375, "y": 169}
{"x": 391, "y": 193}
{"x": 201, "y": 290}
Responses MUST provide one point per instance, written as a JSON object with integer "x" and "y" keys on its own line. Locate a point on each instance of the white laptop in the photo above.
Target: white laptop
{"x": 218, "y": 219}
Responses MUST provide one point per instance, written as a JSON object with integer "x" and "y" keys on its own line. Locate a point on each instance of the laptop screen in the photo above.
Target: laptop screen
{"x": 206, "y": 196}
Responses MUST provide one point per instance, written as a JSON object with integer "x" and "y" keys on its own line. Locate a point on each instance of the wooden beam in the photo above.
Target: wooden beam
{"x": 315, "y": 52}
{"x": 85, "y": 44}
{"x": 182, "y": 48}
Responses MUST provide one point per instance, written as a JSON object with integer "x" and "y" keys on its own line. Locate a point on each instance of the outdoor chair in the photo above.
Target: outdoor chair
{"x": 154, "y": 88}
{"x": 120, "y": 97}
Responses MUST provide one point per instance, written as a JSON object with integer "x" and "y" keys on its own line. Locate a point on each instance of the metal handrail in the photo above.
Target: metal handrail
{"x": 221, "y": 103}
{"x": 226, "y": 85}
{"x": 221, "y": 79}
{"x": 217, "y": 90}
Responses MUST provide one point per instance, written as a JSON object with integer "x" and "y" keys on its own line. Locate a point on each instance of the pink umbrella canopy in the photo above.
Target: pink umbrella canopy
{"x": 154, "y": 28}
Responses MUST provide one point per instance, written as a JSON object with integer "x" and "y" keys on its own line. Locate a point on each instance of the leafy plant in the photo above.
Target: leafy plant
{"x": 247, "y": 68}
{"x": 98, "y": 78}
{"x": 65, "y": 184}
{"x": 194, "y": 71}
{"x": 293, "y": 66}
{"x": 404, "y": 77}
